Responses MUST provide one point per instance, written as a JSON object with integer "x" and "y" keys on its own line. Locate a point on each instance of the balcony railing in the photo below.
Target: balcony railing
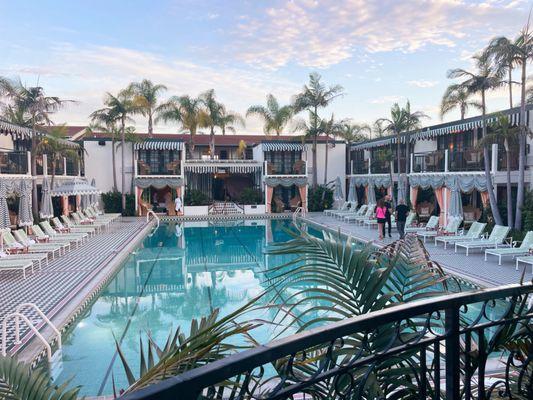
{"x": 60, "y": 168}
{"x": 445, "y": 347}
{"x": 170, "y": 168}
{"x": 466, "y": 160}
{"x": 379, "y": 167}
{"x": 360, "y": 167}
{"x": 513, "y": 158}
{"x": 429, "y": 161}
{"x": 14, "y": 162}
{"x": 296, "y": 168}
{"x": 72, "y": 167}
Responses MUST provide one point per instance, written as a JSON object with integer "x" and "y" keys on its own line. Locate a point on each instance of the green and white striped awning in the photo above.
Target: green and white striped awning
{"x": 159, "y": 145}
{"x": 20, "y": 132}
{"x": 283, "y": 146}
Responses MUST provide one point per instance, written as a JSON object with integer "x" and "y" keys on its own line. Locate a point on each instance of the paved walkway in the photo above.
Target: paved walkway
{"x": 65, "y": 275}
{"x": 473, "y": 267}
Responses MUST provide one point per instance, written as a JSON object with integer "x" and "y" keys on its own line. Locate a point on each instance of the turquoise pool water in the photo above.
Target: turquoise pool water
{"x": 178, "y": 273}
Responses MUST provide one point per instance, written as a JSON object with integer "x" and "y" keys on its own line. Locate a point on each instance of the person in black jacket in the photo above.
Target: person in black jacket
{"x": 388, "y": 204}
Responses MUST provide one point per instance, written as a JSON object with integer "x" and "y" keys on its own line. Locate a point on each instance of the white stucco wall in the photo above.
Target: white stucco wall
{"x": 423, "y": 146}
{"x": 6, "y": 143}
{"x": 98, "y": 165}
{"x": 336, "y": 162}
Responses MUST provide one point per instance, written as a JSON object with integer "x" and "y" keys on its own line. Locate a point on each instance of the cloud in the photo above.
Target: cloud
{"x": 315, "y": 35}
{"x": 423, "y": 83}
{"x": 387, "y": 99}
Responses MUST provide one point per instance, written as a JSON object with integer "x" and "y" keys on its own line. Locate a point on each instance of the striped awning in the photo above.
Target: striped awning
{"x": 283, "y": 146}
{"x": 20, "y": 132}
{"x": 73, "y": 188}
{"x": 207, "y": 167}
{"x": 159, "y": 145}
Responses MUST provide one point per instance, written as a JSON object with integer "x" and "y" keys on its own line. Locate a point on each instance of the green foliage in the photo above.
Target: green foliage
{"x": 19, "y": 382}
{"x": 527, "y": 211}
{"x": 113, "y": 203}
{"x": 195, "y": 197}
{"x": 320, "y": 198}
{"x": 251, "y": 196}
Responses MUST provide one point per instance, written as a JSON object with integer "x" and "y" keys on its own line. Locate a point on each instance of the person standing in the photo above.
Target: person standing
{"x": 401, "y": 215}
{"x": 177, "y": 205}
{"x": 381, "y": 216}
{"x": 387, "y": 203}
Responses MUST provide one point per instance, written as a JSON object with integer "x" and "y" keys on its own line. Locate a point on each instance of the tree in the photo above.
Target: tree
{"x": 351, "y": 133}
{"x": 274, "y": 117}
{"x": 456, "y": 96}
{"x": 478, "y": 83}
{"x": 30, "y": 107}
{"x": 413, "y": 121}
{"x": 378, "y": 129}
{"x": 508, "y": 54}
{"x": 119, "y": 108}
{"x": 145, "y": 98}
{"x": 501, "y": 131}
{"x": 329, "y": 128}
{"x": 229, "y": 120}
{"x": 185, "y": 110}
{"x": 211, "y": 116}
{"x": 315, "y": 95}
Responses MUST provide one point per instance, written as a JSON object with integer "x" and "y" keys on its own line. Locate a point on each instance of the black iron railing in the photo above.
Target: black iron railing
{"x": 432, "y": 161}
{"x": 13, "y": 162}
{"x": 159, "y": 168}
{"x": 438, "y": 348}
{"x": 466, "y": 160}
{"x": 360, "y": 167}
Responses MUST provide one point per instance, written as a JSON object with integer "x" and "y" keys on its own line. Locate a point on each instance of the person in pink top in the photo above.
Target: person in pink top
{"x": 381, "y": 216}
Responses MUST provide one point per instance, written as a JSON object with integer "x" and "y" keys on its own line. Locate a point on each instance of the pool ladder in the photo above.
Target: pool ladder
{"x": 298, "y": 212}
{"x": 150, "y": 212}
{"x": 17, "y": 316}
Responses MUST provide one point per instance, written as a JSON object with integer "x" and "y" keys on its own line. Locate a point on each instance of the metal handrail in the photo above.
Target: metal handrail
{"x": 17, "y": 316}
{"x": 154, "y": 215}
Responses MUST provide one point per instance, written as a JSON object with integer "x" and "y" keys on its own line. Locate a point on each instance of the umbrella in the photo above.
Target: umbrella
{"x": 25, "y": 212}
{"x": 338, "y": 196}
{"x": 94, "y": 197}
{"x": 401, "y": 189}
{"x": 47, "y": 211}
{"x": 456, "y": 203}
{"x": 74, "y": 187}
{"x": 4, "y": 211}
{"x": 351, "y": 191}
{"x": 85, "y": 201}
{"x": 371, "y": 198}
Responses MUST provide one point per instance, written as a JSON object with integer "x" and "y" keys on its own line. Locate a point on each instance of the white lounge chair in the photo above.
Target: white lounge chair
{"x": 37, "y": 258}
{"x": 496, "y": 238}
{"x": 48, "y": 247}
{"x": 340, "y": 214}
{"x": 77, "y": 238}
{"x": 369, "y": 214}
{"x": 450, "y": 229}
{"x": 16, "y": 265}
{"x": 356, "y": 213}
{"x": 13, "y": 245}
{"x": 432, "y": 225}
{"x": 525, "y": 260}
{"x": 344, "y": 207}
{"x": 58, "y": 225}
{"x": 473, "y": 233}
{"x": 521, "y": 250}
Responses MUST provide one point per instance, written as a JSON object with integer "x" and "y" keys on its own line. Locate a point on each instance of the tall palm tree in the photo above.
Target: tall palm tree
{"x": 187, "y": 111}
{"x": 509, "y": 54}
{"x": 351, "y": 133}
{"x": 211, "y": 117}
{"x": 274, "y": 117}
{"x": 120, "y": 107}
{"x": 229, "y": 120}
{"x": 378, "y": 129}
{"x": 478, "y": 83}
{"x": 30, "y": 106}
{"x": 456, "y": 96}
{"x": 145, "y": 97}
{"x": 413, "y": 121}
{"x": 501, "y": 131}
{"x": 315, "y": 95}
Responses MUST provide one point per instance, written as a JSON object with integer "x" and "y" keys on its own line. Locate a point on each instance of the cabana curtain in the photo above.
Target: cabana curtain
{"x": 371, "y": 194}
{"x": 466, "y": 183}
{"x": 47, "y": 210}
{"x": 351, "y": 191}
{"x": 22, "y": 188}
{"x": 158, "y": 183}
{"x": 286, "y": 181}
{"x": 25, "y": 212}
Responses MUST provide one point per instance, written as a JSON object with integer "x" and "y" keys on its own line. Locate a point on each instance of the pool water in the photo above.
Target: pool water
{"x": 180, "y": 272}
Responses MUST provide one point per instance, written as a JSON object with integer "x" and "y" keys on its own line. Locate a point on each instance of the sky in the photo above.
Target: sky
{"x": 380, "y": 52}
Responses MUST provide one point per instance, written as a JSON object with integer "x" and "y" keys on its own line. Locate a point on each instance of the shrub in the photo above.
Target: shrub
{"x": 251, "y": 196}
{"x": 320, "y": 198}
{"x": 113, "y": 203}
{"x": 195, "y": 197}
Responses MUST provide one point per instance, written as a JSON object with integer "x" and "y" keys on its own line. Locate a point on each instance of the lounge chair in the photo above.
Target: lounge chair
{"x": 521, "y": 250}
{"x": 432, "y": 225}
{"x": 341, "y": 213}
{"x": 37, "y": 258}
{"x": 81, "y": 219}
{"x": 12, "y": 245}
{"x": 98, "y": 211}
{"x": 44, "y": 243}
{"x": 474, "y": 232}
{"x": 525, "y": 260}
{"x": 71, "y": 224}
{"x": 47, "y": 230}
{"x": 356, "y": 213}
{"x": 369, "y": 214}
{"x": 373, "y": 221}
{"x": 450, "y": 229}
{"x": 94, "y": 216}
{"x": 496, "y": 238}
{"x": 58, "y": 225}
{"x": 16, "y": 265}
{"x": 343, "y": 207}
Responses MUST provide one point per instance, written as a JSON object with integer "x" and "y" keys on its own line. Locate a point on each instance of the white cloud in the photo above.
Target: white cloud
{"x": 387, "y": 99}
{"x": 423, "y": 83}
{"x": 317, "y": 35}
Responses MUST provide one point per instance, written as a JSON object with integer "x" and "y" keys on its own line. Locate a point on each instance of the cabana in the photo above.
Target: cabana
{"x": 75, "y": 187}
{"x": 165, "y": 189}
{"x": 22, "y": 188}
{"x": 371, "y": 183}
{"x": 271, "y": 182}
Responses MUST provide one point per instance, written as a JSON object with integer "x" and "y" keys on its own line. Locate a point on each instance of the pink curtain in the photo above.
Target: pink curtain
{"x": 303, "y": 196}
{"x": 366, "y": 194}
{"x": 448, "y": 202}
{"x": 64, "y": 205}
{"x": 78, "y": 202}
{"x": 139, "y": 201}
{"x": 414, "y": 195}
{"x": 439, "y": 195}
{"x": 485, "y": 199}
{"x": 269, "y": 194}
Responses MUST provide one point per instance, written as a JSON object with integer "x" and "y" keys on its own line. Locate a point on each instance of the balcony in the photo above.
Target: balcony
{"x": 513, "y": 158}
{"x": 296, "y": 168}
{"x": 466, "y": 160}
{"x": 171, "y": 168}
{"x": 359, "y": 167}
{"x": 379, "y": 167}
{"x": 14, "y": 162}
{"x": 429, "y": 161}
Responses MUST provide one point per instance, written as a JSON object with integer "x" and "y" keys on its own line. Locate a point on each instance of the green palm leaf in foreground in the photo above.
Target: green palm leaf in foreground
{"x": 19, "y": 382}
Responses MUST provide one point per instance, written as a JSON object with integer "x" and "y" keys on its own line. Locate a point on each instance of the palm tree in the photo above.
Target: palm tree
{"x": 118, "y": 108}
{"x": 456, "y": 96}
{"x": 315, "y": 95}
{"x": 229, "y": 120}
{"x": 478, "y": 83}
{"x": 187, "y": 111}
{"x": 145, "y": 97}
{"x": 351, "y": 133}
{"x": 413, "y": 121}
{"x": 211, "y": 116}
{"x": 274, "y": 117}
{"x": 501, "y": 131}
{"x": 508, "y": 54}
{"x": 378, "y": 129}
{"x": 30, "y": 106}
{"x": 329, "y": 128}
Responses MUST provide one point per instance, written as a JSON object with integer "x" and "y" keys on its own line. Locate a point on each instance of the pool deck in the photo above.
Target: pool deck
{"x": 61, "y": 288}
{"x": 474, "y": 268}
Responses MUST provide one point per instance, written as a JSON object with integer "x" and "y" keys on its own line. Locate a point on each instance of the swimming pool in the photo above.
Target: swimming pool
{"x": 179, "y": 272}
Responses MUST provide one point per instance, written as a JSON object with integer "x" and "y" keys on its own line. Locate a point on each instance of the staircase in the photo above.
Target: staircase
{"x": 225, "y": 208}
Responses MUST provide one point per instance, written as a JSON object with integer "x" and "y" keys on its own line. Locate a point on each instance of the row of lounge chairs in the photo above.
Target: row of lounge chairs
{"x": 22, "y": 252}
